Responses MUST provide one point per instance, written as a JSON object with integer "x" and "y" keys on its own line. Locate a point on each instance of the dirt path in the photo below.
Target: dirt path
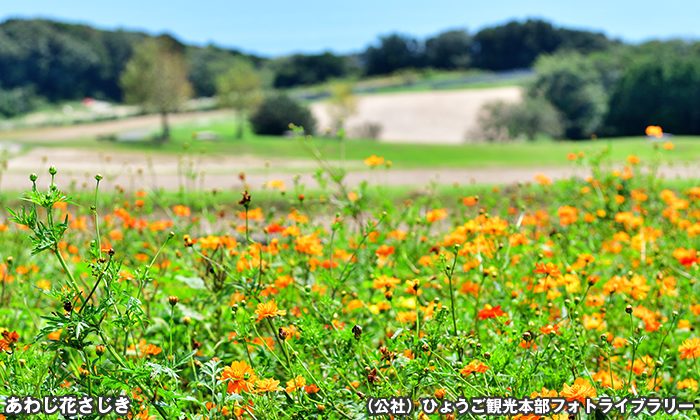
{"x": 443, "y": 116}
{"x": 79, "y": 131}
{"x": 131, "y": 170}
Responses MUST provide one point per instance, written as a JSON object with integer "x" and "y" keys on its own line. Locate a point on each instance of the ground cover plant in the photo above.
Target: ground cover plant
{"x": 304, "y": 304}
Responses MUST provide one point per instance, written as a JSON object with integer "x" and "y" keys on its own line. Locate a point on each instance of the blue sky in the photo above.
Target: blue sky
{"x": 277, "y": 27}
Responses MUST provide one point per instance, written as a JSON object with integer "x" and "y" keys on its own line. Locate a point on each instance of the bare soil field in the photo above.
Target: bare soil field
{"x": 446, "y": 116}
{"x": 132, "y": 170}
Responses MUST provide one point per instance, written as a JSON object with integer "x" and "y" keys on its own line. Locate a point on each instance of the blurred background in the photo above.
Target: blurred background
{"x": 183, "y": 95}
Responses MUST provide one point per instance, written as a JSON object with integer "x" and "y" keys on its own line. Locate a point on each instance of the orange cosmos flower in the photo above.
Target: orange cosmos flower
{"x": 688, "y": 383}
{"x": 469, "y": 201}
{"x": 150, "y": 349}
{"x": 641, "y": 365}
{"x": 543, "y": 179}
{"x": 55, "y": 335}
{"x": 567, "y": 215}
{"x": 241, "y": 377}
{"x": 252, "y": 214}
{"x": 182, "y": 211}
{"x": 550, "y": 269}
{"x": 297, "y": 383}
{"x": 384, "y": 251}
{"x": 8, "y": 340}
{"x": 654, "y": 130}
{"x": 490, "y": 312}
{"x": 580, "y": 390}
{"x": 267, "y": 385}
{"x": 548, "y": 329}
{"x": 686, "y": 257}
{"x": 475, "y": 366}
{"x": 434, "y": 215}
{"x": 668, "y": 145}
{"x": 277, "y": 183}
{"x": 311, "y": 389}
{"x": 309, "y": 244}
{"x": 385, "y": 281}
{"x": 373, "y": 161}
{"x": 572, "y": 156}
{"x": 690, "y": 349}
{"x": 633, "y": 159}
{"x": 268, "y": 310}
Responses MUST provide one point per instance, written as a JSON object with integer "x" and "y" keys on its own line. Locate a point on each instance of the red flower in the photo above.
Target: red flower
{"x": 490, "y": 312}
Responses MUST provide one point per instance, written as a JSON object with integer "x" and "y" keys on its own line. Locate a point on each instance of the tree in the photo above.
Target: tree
{"x": 240, "y": 88}
{"x": 302, "y": 69}
{"x": 514, "y": 45}
{"x": 449, "y": 50}
{"x": 395, "y": 52}
{"x": 654, "y": 91}
{"x": 342, "y": 103}
{"x": 573, "y": 85}
{"x": 518, "y": 44}
{"x": 156, "y": 78}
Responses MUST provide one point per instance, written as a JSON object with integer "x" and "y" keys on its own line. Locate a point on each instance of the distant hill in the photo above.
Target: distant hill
{"x": 44, "y": 60}
{"x": 62, "y": 61}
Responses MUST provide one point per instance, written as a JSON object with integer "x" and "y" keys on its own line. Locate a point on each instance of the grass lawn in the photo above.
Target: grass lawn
{"x": 403, "y": 155}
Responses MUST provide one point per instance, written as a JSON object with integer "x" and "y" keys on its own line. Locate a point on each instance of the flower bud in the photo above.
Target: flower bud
{"x": 173, "y": 300}
{"x": 357, "y": 331}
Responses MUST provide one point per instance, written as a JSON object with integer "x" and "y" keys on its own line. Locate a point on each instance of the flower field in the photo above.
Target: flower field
{"x": 290, "y": 303}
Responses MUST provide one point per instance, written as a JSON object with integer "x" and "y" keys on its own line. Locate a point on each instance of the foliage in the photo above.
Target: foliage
{"x": 393, "y": 53}
{"x": 532, "y": 117}
{"x": 277, "y": 112}
{"x": 156, "y": 78}
{"x": 449, "y": 50}
{"x": 573, "y": 85}
{"x": 240, "y": 88}
{"x": 302, "y": 69}
{"x": 17, "y": 101}
{"x": 518, "y": 44}
{"x": 342, "y": 103}
{"x": 662, "y": 90}
{"x": 67, "y": 62}
{"x": 206, "y": 65}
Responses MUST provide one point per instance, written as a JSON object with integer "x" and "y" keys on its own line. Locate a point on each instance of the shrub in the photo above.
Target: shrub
{"x": 20, "y": 100}
{"x": 574, "y": 86}
{"x": 533, "y": 116}
{"x": 277, "y": 112}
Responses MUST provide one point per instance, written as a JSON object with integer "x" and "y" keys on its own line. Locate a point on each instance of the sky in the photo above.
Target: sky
{"x": 281, "y": 27}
